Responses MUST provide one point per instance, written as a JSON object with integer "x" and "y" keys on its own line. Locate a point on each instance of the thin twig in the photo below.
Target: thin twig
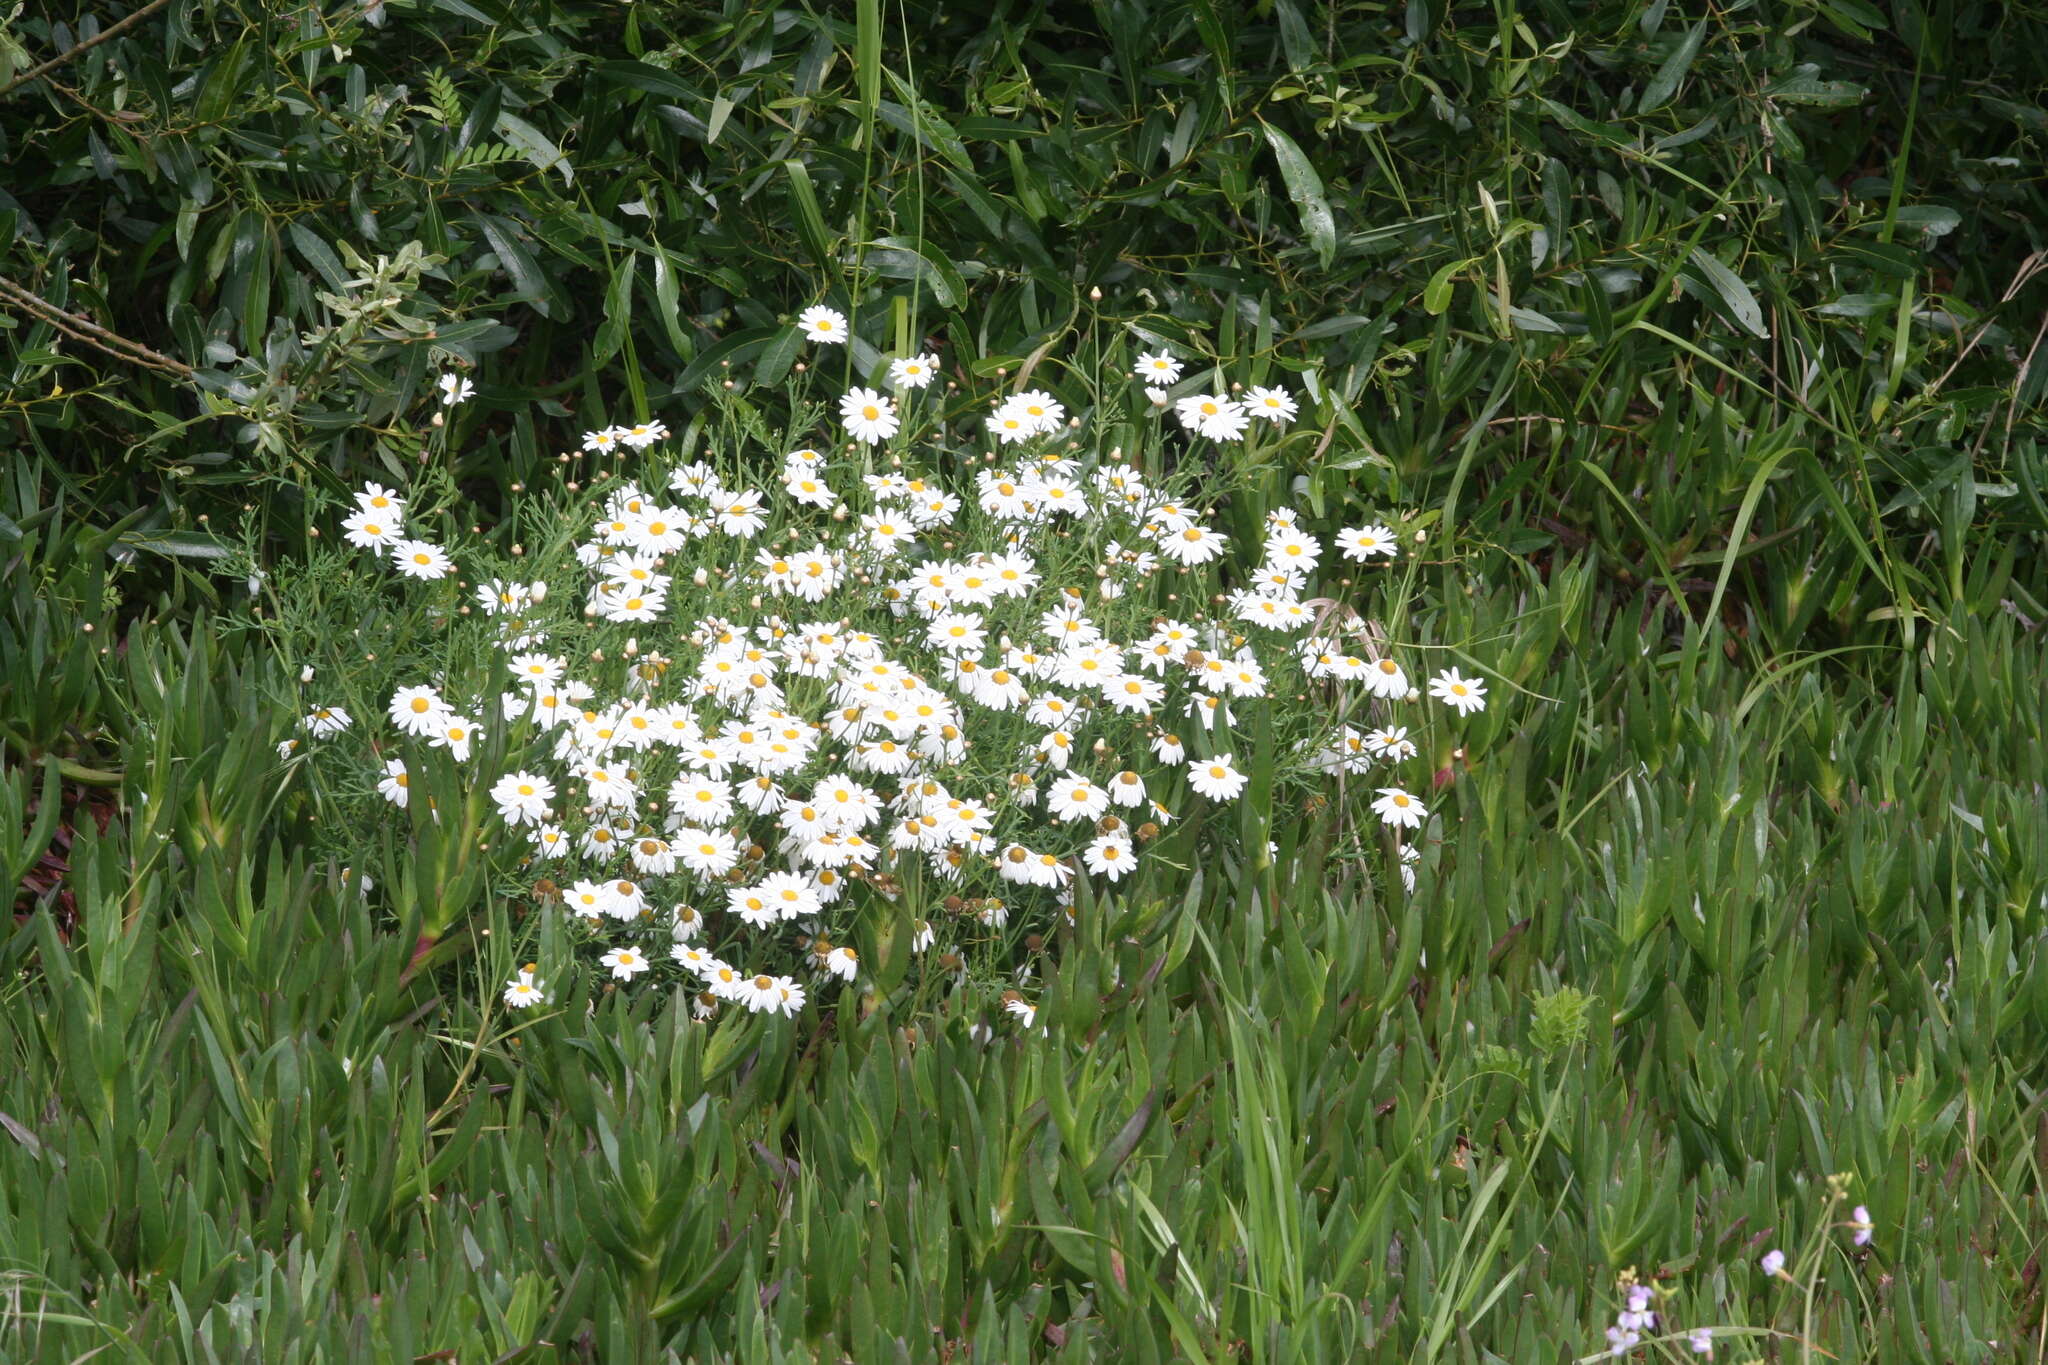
{"x": 92, "y": 42}
{"x": 2020, "y": 380}
{"x": 90, "y": 332}
{"x": 2030, "y": 267}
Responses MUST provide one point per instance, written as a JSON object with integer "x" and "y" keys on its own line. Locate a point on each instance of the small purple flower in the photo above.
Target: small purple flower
{"x": 1701, "y": 1339}
{"x": 1773, "y": 1262}
{"x": 1860, "y": 1220}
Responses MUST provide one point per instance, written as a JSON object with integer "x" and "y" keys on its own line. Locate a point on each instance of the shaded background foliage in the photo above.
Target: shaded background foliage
{"x": 1807, "y": 225}
{"x": 1709, "y": 335}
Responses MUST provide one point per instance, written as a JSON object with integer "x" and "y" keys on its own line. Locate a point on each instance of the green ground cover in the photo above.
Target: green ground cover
{"x": 1703, "y": 344}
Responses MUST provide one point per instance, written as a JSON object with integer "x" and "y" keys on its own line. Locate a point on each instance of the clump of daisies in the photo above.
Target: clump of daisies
{"x": 837, "y": 708}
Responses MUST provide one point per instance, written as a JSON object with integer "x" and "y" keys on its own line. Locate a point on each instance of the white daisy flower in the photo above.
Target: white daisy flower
{"x": 418, "y": 559}
{"x": 1385, "y": 680}
{"x": 523, "y": 990}
{"x": 626, "y": 963}
{"x": 1217, "y": 778}
{"x": 1194, "y": 545}
{"x": 1397, "y": 808}
{"x": 1274, "y": 404}
{"x": 823, "y": 324}
{"x": 1212, "y": 415}
{"x": 456, "y": 734}
{"x": 1466, "y": 694}
{"x": 385, "y": 502}
{"x": 914, "y": 372}
{"x": 541, "y": 670}
{"x": 1361, "y": 543}
{"x": 327, "y": 720}
{"x": 522, "y": 798}
{"x": 370, "y": 530}
{"x": 626, "y": 899}
{"x": 1158, "y": 369}
{"x": 587, "y": 900}
{"x": 710, "y": 853}
{"x": 1110, "y": 856}
{"x": 868, "y": 416}
{"x": 1076, "y": 798}
{"x": 1390, "y": 743}
{"x": 652, "y": 856}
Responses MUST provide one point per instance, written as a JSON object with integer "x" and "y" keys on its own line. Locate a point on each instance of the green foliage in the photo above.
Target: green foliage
{"x": 1561, "y": 1020}
{"x": 1278, "y": 1124}
{"x": 1526, "y": 254}
{"x": 1705, "y": 344}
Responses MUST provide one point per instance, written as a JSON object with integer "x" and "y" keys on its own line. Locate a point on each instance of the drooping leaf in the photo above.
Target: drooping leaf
{"x": 1305, "y": 189}
{"x": 1730, "y": 289}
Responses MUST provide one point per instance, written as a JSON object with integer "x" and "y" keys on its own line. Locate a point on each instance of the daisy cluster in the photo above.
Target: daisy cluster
{"x": 932, "y": 691}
